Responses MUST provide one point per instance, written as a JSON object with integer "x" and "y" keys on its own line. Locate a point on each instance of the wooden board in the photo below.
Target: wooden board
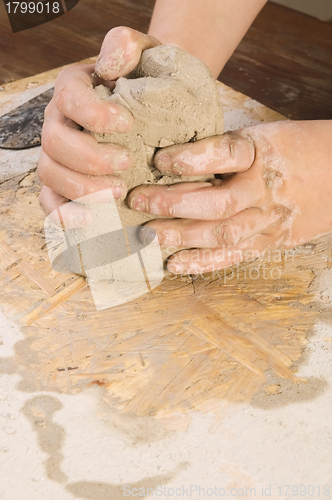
{"x": 191, "y": 343}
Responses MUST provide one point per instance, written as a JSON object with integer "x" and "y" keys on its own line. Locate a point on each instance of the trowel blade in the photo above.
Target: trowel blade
{"x": 21, "y": 128}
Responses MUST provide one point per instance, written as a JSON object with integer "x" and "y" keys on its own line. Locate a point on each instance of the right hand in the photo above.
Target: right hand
{"x": 72, "y": 163}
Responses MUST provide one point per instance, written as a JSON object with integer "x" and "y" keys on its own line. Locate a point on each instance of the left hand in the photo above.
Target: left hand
{"x": 72, "y": 163}
{"x": 278, "y": 196}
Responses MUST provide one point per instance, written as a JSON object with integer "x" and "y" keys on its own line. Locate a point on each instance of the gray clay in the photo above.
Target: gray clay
{"x": 174, "y": 99}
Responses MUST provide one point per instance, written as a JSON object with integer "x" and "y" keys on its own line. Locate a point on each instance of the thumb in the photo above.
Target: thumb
{"x": 121, "y": 51}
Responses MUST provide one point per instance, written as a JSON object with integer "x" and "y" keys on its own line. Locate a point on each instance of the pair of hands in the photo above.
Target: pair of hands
{"x": 276, "y": 192}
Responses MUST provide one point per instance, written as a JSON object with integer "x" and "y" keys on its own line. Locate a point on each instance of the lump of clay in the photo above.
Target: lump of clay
{"x": 174, "y": 99}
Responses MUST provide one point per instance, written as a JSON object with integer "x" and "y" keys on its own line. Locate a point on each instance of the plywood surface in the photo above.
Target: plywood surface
{"x": 191, "y": 343}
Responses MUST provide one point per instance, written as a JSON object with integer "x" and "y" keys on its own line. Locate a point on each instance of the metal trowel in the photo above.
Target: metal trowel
{"x": 21, "y": 128}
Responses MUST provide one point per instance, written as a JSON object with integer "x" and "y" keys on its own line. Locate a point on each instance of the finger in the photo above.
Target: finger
{"x": 227, "y": 153}
{"x": 187, "y": 233}
{"x": 121, "y": 51}
{"x": 76, "y": 215}
{"x": 66, "y": 144}
{"x": 205, "y": 260}
{"x": 75, "y": 98}
{"x": 198, "y": 200}
{"x": 73, "y": 185}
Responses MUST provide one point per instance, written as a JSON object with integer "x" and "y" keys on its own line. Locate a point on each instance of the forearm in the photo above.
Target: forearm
{"x": 209, "y": 30}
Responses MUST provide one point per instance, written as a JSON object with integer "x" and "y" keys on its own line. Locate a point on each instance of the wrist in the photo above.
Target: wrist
{"x": 209, "y": 31}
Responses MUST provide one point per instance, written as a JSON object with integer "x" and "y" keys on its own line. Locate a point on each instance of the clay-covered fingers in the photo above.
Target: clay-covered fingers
{"x": 198, "y": 200}
{"x": 230, "y": 152}
{"x": 120, "y": 52}
{"x": 203, "y": 260}
{"x": 72, "y": 184}
{"x": 65, "y": 143}
{"x": 187, "y": 233}
{"x": 75, "y": 98}
{"x": 73, "y": 164}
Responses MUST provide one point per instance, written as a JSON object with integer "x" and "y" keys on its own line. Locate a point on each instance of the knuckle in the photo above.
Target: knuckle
{"x": 226, "y": 234}
{"x": 60, "y": 80}
{"x": 96, "y": 163}
{"x": 282, "y": 212}
{"x": 232, "y": 234}
{"x": 63, "y": 72}
{"x": 45, "y": 135}
{"x": 181, "y": 240}
{"x": 262, "y": 191}
{"x": 169, "y": 208}
{"x": 48, "y": 110}
{"x": 219, "y": 233}
{"x": 44, "y": 168}
{"x": 102, "y": 165}
{"x": 95, "y": 119}
{"x": 60, "y": 99}
{"x": 49, "y": 138}
{"x": 62, "y": 76}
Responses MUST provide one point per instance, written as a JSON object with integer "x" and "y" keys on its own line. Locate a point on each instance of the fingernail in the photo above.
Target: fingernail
{"x": 124, "y": 122}
{"x": 99, "y": 64}
{"x": 113, "y": 110}
{"x": 120, "y": 121}
{"x": 232, "y": 149}
{"x": 140, "y": 203}
{"x": 178, "y": 168}
{"x": 110, "y": 65}
{"x": 119, "y": 192}
{"x": 163, "y": 162}
{"x": 147, "y": 235}
{"x": 122, "y": 162}
{"x": 242, "y": 151}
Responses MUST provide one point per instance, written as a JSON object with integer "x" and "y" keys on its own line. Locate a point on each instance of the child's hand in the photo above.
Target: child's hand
{"x": 72, "y": 163}
{"x": 279, "y": 196}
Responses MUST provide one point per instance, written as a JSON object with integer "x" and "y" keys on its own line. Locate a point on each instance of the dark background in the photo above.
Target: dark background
{"x": 284, "y": 61}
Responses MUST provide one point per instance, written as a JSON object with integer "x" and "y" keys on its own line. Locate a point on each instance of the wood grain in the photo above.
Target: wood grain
{"x": 285, "y": 62}
{"x": 192, "y": 343}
